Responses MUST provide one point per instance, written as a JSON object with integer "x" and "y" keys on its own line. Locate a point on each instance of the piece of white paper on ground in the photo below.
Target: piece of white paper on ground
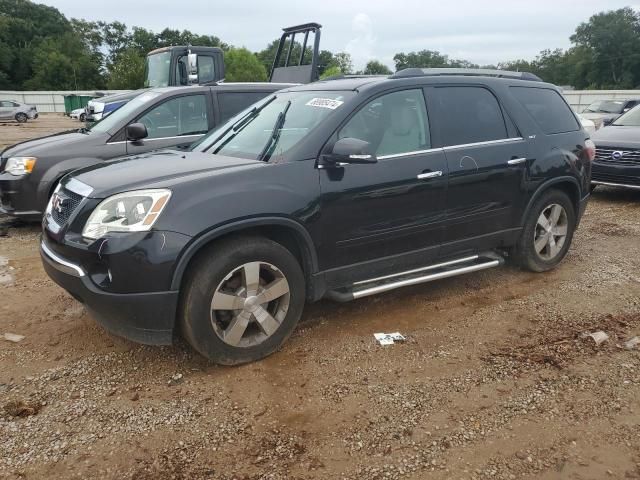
{"x": 389, "y": 338}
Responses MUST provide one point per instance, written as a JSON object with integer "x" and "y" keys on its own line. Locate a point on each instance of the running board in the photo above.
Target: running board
{"x": 416, "y": 276}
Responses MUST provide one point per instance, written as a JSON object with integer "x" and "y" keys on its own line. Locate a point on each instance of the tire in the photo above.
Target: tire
{"x": 218, "y": 278}
{"x": 82, "y": 117}
{"x": 535, "y": 234}
{"x": 21, "y": 117}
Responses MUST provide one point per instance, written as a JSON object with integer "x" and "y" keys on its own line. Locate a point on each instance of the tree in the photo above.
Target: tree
{"x": 613, "y": 39}
{"x": 343, "y": 61}
{"x": 333, "y": 71}
{"x": 243, "y": 66}
{"x": 374, "y": 67}
{"x": 127, "y": 73}
{"x": 421, "y": 59}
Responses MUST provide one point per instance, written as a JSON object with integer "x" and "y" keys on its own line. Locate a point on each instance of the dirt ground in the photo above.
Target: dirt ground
{"x": 494, "y": 381}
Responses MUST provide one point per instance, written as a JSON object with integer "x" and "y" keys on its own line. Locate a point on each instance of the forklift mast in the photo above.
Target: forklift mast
{"x": 290, "y": 71}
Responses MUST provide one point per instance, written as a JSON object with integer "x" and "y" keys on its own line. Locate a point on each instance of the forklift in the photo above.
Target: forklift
{"x": 194, "y": 65}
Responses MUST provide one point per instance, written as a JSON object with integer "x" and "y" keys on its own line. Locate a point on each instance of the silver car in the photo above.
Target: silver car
{"x": 20, "y": 112}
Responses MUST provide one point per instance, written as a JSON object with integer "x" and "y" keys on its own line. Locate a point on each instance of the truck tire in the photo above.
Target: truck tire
{"x": 21, "y": 117}
{"x": 241, "y": 300}
{"x": 547, "y": 233}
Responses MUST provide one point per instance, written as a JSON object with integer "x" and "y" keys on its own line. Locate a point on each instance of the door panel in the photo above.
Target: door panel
{"x": 381, "y": 210}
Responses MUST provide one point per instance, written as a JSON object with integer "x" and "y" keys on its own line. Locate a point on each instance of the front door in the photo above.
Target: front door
{"x": 6, "y": 110}
{"x": 377, "y": 214}
{"x": 487, "y": 163}
{"x": 177, "y": 122}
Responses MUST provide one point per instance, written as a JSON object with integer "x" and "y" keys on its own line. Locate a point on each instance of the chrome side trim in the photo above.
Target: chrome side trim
{"x": 421, "y": 269}
{"x": 76, "y": 186}
{"x": 609, "y": 184}
{"x": 516, "y": 161}
{"x": 408, "y": 154}
{"x": 425, "y": 278}
{"x": 425, "y": 176}
{"x": 480, "y": 144}
{"x": 60, "y": 261}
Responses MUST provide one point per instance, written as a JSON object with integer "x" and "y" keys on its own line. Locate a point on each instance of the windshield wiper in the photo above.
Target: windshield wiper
{"x": 241, "y": 123}
{"x": 275, "y": 134}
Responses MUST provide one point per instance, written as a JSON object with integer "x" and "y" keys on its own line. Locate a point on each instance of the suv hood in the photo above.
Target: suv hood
{"x": 160, "y": 169}
{"x": 617, "y": 136}
{"x": 42, "y": 147}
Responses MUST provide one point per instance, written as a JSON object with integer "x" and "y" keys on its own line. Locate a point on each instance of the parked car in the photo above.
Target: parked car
{"x": 79, "y": 114}
{"x": 99, "y": 108}
{"x": 604, "y": 112}
{"x": 588, "y": 125}
{"x": 170, "y": 117}
{"x": 617, "y": 161}
{"x": 20, "y": 112}
{"x": 338, "y": 189}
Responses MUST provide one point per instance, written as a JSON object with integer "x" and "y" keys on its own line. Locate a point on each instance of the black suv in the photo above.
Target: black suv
{"x": 337, "y": 189}
{"x": 154, "y": 118}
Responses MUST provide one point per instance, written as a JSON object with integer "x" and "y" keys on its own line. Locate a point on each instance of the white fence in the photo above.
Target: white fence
{"x": 581, "y": 99}
{"x": 49, "y": 102}
{"x": 54, "y": 101}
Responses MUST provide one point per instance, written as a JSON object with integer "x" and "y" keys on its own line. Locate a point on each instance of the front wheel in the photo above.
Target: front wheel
{"x": 242, "y": 300}
{"x": 21, "y": 117}
{"x": 83, "y": 117}
{"x": 547, "y": 232}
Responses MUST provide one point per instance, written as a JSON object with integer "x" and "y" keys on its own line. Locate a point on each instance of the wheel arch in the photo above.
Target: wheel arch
{"x": 567, "y": 184}
{"x": 285, "y": 231}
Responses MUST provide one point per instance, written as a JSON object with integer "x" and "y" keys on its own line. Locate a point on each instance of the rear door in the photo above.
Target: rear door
{"x": 176, "y": 122}
{"x": 487, "y": 163}
{"x": 6, "y": 109}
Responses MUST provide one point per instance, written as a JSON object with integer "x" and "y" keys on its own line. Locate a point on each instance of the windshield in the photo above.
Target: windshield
{"x": 629, "y": 119}
{"x": 157, "y": 70}
{"x": 274, "y": 125}
{"x": 606, "y": 106}
{"x": 114, "y": 120}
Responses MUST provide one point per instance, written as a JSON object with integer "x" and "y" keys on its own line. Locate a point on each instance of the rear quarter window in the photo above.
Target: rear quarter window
{"x": 548, "y": 109}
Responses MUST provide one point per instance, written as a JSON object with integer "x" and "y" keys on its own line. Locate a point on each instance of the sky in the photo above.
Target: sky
{"x": 483, "y": 32}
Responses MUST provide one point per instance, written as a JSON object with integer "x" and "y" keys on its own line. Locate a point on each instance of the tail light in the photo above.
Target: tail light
{"x": 590, "y": 149}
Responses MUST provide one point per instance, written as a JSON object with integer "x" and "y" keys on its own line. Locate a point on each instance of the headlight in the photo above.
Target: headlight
{"x": 135, "y": 211}
{"x": 20, "y": 165}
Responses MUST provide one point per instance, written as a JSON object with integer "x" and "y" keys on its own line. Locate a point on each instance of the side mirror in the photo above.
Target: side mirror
{"x": 607, "y": 121}
{"x": 349, "y": 150}
{"x": 192, "y": 68}
{"x": 136, "y": 131}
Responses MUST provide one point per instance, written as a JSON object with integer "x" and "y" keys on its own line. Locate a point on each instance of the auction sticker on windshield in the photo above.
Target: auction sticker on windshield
{"x": 324, "y": 103}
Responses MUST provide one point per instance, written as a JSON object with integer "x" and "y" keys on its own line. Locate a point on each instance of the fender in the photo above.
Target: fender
{"x": 544, "y": 186}
{"x": 56, "y": 172}
{"x": 308, "y": 247}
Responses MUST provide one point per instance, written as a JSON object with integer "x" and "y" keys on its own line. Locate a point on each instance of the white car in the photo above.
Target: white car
{"x": 79, "y": 114}
{"x": 588, "y": 125}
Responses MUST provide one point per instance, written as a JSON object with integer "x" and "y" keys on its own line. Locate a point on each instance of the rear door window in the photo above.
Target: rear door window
{"x": 232, "y": 103}
{"x": 468, "y": 115}
{"x": 548, "y": 109}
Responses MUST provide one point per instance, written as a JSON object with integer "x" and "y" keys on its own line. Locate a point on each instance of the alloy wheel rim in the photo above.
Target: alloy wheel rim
{"x": 551, "y": 231}
{"x": 250, "y": 304}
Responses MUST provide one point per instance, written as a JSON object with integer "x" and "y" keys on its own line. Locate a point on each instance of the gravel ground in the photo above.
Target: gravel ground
{"x": 496, "y": 378}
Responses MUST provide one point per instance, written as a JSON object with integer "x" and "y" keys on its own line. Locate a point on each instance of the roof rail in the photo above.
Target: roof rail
{"x": 342, "y": 76}
{"x": 479, "y": 72}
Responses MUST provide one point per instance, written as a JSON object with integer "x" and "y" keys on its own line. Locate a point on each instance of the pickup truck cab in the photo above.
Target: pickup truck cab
{"x": 337, "y": 189}
{"x": 171, "y": 117}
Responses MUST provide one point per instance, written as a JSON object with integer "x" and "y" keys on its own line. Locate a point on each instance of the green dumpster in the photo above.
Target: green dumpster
{"x": 73, "y": 101}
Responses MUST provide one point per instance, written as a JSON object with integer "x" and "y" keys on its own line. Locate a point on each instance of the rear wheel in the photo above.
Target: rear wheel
{"x": 242, "y": 300}
{"x": 547, "y": 233}
{"x": 21, "y": 117}
{"x": 83, "y": 117}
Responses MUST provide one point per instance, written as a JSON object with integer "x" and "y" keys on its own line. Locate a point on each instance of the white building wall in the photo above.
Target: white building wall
{"x": 48, "y": 102}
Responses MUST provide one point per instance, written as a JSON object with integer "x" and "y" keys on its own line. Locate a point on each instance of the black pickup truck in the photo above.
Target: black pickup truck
{"x": 161, "y": 117}
{"x": 338, "y": 189}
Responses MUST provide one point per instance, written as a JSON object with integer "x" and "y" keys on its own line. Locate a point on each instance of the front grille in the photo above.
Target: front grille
{"x": 64, "y": 205}
{"x": 618, "y": 156}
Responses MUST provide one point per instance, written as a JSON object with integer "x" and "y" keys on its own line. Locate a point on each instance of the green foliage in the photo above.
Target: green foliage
{"x": 374, "y": 67}
{"x": 127, "y": 72}
{"x": 333, "y": 71}
{"x": 243, "y": 66}
{"x": 428, "y": 59}
{"x": 343, "y": 61}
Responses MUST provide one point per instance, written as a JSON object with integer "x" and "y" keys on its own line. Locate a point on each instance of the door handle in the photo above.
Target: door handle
{"x": 516, "y": 161}
{"x": 425, "y": 176}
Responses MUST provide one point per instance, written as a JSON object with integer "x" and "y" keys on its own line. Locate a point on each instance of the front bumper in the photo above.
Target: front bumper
{"x": 32, "y": 114}
{"x": 18, "y": 197}
{"x": 147, "y": 318}
{"x": 616, "y": 175}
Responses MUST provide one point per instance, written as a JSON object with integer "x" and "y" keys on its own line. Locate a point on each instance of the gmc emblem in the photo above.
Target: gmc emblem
{"x": 58, "y": 203}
